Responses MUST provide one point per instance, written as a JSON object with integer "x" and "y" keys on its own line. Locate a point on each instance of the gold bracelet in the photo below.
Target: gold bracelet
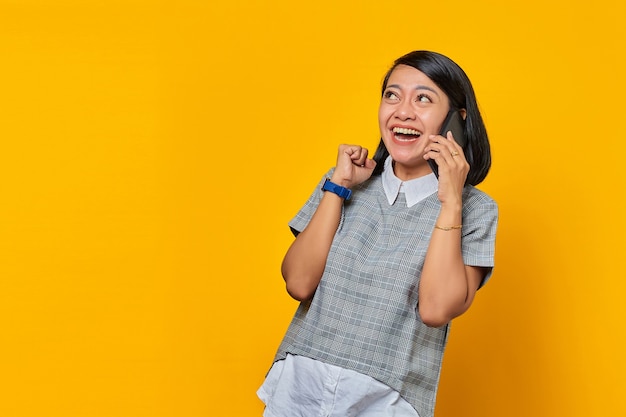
{"x": 447, "y": 228}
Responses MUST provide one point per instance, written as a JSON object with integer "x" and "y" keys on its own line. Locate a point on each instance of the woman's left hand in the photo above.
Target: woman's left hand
{"x": 452, "y": 167}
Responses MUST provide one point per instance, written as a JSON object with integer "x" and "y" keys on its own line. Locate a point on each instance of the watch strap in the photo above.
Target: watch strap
{"x": 342, "y": 192}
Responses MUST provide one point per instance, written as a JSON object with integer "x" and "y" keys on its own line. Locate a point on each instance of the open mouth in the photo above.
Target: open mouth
{"x": 404, "y": 134}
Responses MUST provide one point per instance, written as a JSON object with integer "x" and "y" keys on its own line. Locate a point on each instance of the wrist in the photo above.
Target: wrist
{"x": 337, "y": 189}
{"x": 450, "y": 215}
{"x": 342, "y": 182}
{"x": 452, "y": 207}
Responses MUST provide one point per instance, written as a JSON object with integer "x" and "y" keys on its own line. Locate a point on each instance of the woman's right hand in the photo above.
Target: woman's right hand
{"x": 353, "y": 166}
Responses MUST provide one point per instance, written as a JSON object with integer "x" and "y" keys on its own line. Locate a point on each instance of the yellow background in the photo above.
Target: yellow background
{"x": 153, "y": 152}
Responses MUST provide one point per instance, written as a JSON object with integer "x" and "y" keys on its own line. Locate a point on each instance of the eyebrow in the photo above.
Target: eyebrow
{"x": 417, "y": 87}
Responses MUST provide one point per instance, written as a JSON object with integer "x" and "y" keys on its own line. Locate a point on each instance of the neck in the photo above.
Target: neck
{"x": 406, "y": 174}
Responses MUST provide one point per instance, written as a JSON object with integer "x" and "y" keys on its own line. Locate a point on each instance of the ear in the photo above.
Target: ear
{"x": 463, "y": 113}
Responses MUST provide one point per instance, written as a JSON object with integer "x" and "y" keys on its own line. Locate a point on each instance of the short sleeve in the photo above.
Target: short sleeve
{"x": 303, "y": 217}
{"x": 480, "y": 221}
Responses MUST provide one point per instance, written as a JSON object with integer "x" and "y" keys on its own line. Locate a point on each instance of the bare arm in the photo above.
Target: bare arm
{"x": 304, "y": 262}
{"x": 447, "y": 285}
{"x": 305, "y": 259}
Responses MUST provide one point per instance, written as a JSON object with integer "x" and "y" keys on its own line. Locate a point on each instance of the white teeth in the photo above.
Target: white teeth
{"x": 405, "y": 131}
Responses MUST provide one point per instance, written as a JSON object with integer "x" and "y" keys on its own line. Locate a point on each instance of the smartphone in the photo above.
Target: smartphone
{"x": 454, "y": 123}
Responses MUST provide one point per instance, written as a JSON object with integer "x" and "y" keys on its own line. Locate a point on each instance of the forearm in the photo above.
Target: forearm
{"x": 305, "y": 260}
{"x": 447, "y": 286}
{"x": 304, "y": 263}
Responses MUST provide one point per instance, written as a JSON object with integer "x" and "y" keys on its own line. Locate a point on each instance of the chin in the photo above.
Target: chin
{"x": 414, "y": 163}
{"x": 406, "y": 158}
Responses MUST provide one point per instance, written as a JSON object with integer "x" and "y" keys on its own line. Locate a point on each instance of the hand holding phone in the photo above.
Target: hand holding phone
{"x": 454, "y": 123}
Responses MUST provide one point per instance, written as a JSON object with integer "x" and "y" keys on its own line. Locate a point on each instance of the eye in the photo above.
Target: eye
{"x": 423, "y": 98}
{"x": 391, "y": 95}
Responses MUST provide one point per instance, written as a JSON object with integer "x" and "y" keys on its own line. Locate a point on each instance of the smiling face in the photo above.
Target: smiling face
{"x": 412, "y": 108}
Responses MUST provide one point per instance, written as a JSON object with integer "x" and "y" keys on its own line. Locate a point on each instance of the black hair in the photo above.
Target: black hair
{"x": 456, "y": 85}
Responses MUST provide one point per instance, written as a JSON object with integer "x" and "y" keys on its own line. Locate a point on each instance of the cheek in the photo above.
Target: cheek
{"x": 434, "y": 121}
{"x": 383, "y": 116}
{"x": 381, "y": 120}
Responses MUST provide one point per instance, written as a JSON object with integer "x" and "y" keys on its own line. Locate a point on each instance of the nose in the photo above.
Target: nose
{"x": 405, "y": 110}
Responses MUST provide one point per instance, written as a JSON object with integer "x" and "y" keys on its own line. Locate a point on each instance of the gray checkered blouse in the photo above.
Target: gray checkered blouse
{"x": 364, "y": 313}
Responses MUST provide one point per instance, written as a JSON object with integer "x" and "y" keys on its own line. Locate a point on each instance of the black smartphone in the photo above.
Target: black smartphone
{"x": 454, "y": 123}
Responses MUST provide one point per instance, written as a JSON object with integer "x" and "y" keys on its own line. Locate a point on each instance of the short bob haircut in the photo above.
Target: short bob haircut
{"x": 454, "y": 82}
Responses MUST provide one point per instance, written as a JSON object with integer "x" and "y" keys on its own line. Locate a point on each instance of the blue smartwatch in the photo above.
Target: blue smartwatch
{"x": 342, "y": 192}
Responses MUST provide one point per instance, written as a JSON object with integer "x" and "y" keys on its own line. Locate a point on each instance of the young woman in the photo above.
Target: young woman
{"x": 387, "y": 254}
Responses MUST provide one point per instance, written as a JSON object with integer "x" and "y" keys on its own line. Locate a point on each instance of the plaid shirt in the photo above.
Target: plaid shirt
{"x": 364, "y": 314}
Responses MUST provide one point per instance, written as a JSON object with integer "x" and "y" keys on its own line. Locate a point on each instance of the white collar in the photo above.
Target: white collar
{"x": 415, "y": 190}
